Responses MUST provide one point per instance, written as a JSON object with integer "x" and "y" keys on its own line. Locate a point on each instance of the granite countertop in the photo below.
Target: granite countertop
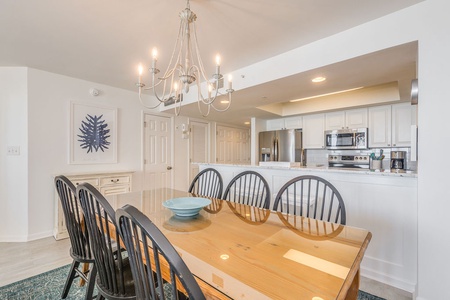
{"x": 322, "y": 168}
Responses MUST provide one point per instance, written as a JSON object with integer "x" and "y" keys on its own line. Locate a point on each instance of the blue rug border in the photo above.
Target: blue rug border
{"x": 366, "y": 296}
{"x": 34, "y": 276}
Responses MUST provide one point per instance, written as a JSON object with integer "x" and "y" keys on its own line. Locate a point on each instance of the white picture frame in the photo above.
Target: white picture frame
{"x": 93, "y": 134}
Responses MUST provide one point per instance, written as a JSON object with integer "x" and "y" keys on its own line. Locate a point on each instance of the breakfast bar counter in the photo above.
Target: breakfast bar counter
{"x": 383, "y": 202}
{"x": 322, "y": 169}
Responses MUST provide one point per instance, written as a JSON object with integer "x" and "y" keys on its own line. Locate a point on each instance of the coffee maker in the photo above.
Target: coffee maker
{"x": 398, "y": 160}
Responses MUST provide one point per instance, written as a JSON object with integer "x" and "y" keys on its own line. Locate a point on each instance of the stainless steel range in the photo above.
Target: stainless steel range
{"x": 348, "y": 161}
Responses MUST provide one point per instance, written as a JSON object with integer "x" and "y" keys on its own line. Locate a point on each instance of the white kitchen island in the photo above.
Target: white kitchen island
{"x": 383, "y": 202}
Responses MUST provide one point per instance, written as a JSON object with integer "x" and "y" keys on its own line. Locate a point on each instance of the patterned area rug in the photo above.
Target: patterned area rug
{"x": 49, "y": 285}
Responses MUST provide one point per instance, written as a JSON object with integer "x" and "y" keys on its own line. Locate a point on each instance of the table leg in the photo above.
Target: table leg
{"x": 85, "y": 269}
{"x": 352, "y": 293}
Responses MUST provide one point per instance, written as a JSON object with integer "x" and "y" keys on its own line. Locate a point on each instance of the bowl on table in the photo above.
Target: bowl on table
{"x": 186, "y": 206}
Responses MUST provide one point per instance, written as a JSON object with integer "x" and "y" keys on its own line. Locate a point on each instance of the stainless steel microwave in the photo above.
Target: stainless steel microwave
{"x": 346, "y": 139}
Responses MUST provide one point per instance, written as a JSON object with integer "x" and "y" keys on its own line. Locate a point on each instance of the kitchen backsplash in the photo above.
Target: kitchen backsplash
{"x": 319, "y": 157}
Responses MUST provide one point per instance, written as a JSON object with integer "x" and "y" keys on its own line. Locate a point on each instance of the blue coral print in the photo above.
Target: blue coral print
{"x": 94, "y": 134}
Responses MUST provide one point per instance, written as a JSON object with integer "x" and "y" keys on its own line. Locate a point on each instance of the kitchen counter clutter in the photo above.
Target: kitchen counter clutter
{"x": 322, "y": 168}
{"x": 383, "y": 202}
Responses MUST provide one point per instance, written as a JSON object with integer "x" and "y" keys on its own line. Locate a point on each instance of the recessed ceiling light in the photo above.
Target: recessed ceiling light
{"x": 225, "y": 101}
{"x": 247, "y": 123}
{"x": 318, "y": 79}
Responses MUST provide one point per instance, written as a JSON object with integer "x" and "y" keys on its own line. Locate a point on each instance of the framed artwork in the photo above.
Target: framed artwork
{"x": 93, "y": 134}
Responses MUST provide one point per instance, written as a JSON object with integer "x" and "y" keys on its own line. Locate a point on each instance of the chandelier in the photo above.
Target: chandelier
{"x": 185, "y": 69}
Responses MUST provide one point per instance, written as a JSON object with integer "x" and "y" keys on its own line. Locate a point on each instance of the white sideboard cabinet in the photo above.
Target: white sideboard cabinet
{"x": 106, "y": 183}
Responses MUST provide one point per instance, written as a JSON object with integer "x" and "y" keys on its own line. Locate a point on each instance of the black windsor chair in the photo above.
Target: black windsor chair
{"x": 114, "y": 278}
{"x": 312, "y": 197}
{"x": 208, "y": 183}
{"x": 80, "y": 249}
{"x": 248, "y": 188}
{"x": 146, "y": 243}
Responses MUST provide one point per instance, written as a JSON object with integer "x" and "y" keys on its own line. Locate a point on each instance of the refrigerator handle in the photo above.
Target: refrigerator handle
{"x": 276, "y": 150}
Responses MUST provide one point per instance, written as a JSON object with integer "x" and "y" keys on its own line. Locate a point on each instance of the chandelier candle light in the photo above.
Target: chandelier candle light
{"x": 185, "y": 67}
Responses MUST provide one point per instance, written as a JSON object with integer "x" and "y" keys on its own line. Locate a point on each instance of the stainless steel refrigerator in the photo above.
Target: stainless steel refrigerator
{"x": 281, "y": 145}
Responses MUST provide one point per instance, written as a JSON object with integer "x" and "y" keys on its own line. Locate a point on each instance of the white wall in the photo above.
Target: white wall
{"x": 13, "y": 132}
{"x": 434, "y": 143}
{"x": 43, "y": 134}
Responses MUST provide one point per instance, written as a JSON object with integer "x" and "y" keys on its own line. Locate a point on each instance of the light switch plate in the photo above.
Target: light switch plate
{"x": 13, "y": 150}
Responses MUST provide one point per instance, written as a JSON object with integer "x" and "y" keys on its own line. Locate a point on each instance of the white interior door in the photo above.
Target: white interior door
{"x": 224, "y": 142}
{"x": 198, "y": 146}
{"x": 157, "y": 151}
{"x": 233, "y": 146}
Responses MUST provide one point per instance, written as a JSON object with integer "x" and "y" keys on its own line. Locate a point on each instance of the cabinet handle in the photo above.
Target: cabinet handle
{"x": 115, "y": 180}
{"x": 394, "y": 144}
{"x": 389, "y": 144}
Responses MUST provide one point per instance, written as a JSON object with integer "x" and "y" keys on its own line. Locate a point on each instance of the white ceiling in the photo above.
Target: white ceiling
{"x": 104, "y": 40}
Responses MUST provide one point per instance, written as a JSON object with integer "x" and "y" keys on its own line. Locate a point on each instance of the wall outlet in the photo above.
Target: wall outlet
{"x": 13, "y": 150}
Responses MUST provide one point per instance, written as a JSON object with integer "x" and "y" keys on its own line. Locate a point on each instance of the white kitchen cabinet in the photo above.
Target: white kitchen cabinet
{"x": 380, "y": 126}
{"x": 390, "y": 126}
{"x": 347, "y": 119}
{"x": 285, "y": 123}
{"x": 313, "y": 131}
{"x": 401, "y": 125}
{"x": 106, "y": 183}
{"x": 293, "y": 122}
{"x": 275, "y": 124}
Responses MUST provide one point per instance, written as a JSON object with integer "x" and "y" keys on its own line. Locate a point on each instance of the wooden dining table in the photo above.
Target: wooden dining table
{"x": 237, "y": 251}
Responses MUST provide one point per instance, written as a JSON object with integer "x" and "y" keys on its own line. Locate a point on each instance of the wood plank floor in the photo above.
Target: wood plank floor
{"x": 22, "y": 260}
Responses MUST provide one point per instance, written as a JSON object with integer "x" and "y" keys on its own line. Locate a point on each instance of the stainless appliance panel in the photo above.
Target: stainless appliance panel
{"x": 346, "y": 139}
{"x": 267, "y": 146}
{"x": 281, "y": 145}
{"x": 398, "y": 160}
{"x": 348, "y": 161}
{"x": 285, "y": 145}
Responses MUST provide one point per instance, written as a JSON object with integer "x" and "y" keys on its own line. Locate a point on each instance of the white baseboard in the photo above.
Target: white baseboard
{"x": 13, "y": 238}
{"x": 388, "y": 280}
{"x": 25, "y": 238}
{"x": 40, "y": 235}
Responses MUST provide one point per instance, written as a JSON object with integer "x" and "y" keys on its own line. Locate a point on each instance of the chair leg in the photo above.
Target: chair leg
{"x": 91, "y": 282}
{"x": 70, "y": 279}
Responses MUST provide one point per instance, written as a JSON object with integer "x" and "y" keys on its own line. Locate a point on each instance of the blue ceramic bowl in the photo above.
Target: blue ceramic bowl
{"x": 186, "y": 206}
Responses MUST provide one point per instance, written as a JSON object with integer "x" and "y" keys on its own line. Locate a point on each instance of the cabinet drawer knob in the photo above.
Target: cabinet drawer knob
{"x": 114, "y": 180}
